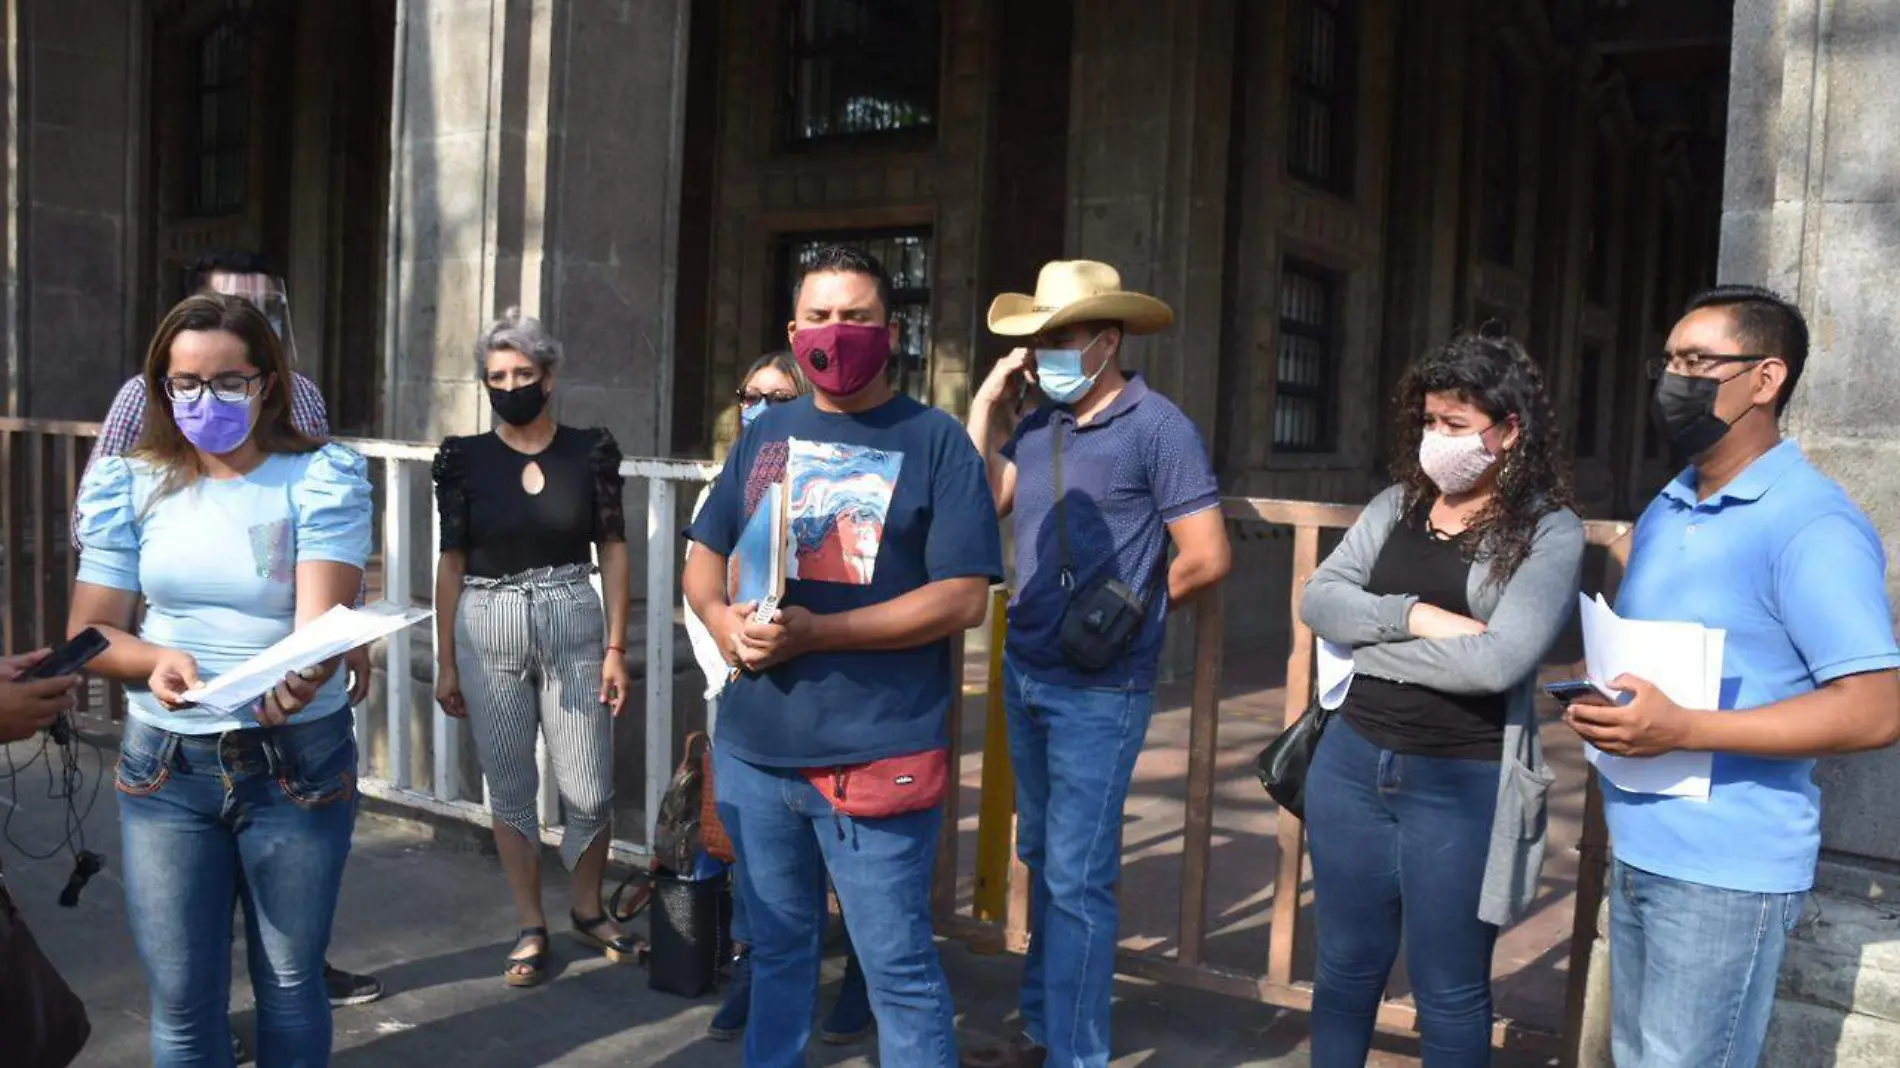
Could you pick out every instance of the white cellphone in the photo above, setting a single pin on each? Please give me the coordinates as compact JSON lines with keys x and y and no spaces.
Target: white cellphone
{"x":768,"y":607}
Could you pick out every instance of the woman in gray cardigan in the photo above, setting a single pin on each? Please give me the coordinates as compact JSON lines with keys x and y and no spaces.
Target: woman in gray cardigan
{"x":1425,"y":801}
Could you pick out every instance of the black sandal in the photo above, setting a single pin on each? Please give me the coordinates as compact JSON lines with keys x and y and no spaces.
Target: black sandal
{"x":624,"y":949}
{"x":535,"y":964}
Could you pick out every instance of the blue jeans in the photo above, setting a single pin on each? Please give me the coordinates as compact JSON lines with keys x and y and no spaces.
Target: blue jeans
{"x":1074,"y":751}
{"x":787,"y":836}
{"x":1399,"y":845}
{"x":1692,"y":970}
{"x":260,"y":818}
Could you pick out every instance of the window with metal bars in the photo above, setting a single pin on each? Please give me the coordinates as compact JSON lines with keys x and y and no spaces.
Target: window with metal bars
{"x":1320,"y":126}
{"x":1308,"y":359}
{"x":905,"y":254}
{"x":861,"y":69}
{"x":222,"y":94}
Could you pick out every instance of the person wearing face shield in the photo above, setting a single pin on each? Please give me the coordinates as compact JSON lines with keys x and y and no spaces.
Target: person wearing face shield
{"x":1425,"y":801}
{"x":1752,"y":540}
{"x":1103,"y":476}
{"x":832,"y":754}
{"x":247,"y":275}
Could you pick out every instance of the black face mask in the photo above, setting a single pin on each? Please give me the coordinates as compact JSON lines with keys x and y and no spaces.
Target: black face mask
{"x":519,"y":406}
{"x":1684,"y":410}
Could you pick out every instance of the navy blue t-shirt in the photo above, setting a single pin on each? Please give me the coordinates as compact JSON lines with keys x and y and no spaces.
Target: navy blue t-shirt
{"x":881,"y":503}
{"x":1136,"y":467}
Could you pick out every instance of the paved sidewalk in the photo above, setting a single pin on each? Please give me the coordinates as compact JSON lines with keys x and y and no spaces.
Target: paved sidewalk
{"x":428,"y":912}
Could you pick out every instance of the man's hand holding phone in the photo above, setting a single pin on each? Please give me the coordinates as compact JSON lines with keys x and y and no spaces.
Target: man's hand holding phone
{"x":1009,"y":381}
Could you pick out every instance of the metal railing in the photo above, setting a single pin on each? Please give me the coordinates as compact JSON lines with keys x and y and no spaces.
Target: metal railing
{"x":1274,"y":984}
{"x":41,"y":462}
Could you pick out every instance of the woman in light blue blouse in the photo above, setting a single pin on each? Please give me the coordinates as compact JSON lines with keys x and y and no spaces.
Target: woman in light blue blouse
{"x":234,"y":529}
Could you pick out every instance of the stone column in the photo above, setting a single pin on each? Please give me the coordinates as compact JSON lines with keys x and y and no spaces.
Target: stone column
{"x":536,"y":163}
{"x":1151,"y":104}
{"x":536,"y":146}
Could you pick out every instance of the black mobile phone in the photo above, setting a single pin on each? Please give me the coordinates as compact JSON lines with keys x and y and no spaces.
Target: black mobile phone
{"x":1574,"y":690}
{"x":67,"y":659}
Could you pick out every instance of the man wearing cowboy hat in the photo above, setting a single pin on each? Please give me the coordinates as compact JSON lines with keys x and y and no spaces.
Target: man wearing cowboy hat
{"x":1101,"y":475}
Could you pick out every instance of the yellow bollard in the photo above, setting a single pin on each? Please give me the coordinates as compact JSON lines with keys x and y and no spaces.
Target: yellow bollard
{"x":996,"y":812}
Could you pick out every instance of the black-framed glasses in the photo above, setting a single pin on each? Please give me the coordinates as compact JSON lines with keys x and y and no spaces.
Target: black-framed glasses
{"x":749,"y":397}
{"x":1695,"y":365}
{"x":230,"y":387}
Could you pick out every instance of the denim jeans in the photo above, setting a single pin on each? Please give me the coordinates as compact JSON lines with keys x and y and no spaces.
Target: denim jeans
{"x":787,"y":836}
{"x":1399,"y":845}
{"x":1692,"y":970}
{"x":258,"y":817}
{"x":1074,"y":752}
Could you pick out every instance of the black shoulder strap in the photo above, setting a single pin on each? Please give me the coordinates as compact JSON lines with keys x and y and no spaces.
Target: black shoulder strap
{"x":1062,"y":506}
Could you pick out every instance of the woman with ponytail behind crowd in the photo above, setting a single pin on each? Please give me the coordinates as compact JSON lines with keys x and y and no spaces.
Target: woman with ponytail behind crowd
{"x":234,"y":529}
{"x":1426,"y":799}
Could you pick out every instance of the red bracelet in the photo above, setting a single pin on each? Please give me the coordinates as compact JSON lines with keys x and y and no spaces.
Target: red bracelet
{"x":616,"y":648}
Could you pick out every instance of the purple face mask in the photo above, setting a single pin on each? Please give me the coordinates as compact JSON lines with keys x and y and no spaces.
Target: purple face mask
{"x":214,"y":426}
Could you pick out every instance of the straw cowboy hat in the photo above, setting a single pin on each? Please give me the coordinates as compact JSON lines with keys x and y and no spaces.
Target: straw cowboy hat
{"x":1077,"y":291}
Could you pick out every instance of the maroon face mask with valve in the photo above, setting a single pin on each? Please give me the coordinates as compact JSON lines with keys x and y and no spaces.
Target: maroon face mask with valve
{"x":842,"y":358}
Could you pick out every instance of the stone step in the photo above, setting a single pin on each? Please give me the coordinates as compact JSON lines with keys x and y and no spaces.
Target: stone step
{"x":1804,"y":1035}
{"x":1845,"y":955}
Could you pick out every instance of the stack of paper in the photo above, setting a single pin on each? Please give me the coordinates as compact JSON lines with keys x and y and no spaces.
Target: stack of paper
{"x":1684,"y":661}
{"x":329,"y":635}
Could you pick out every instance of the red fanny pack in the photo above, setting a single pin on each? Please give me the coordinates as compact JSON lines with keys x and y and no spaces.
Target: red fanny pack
{"x":893,"y":786}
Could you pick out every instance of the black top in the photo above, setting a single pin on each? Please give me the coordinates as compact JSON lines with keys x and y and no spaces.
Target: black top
{"x":503,"y":528}
{"x":1417,"y":720}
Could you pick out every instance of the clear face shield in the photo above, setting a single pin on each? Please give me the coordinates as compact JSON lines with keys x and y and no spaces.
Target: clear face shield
{"x":270,"y":295}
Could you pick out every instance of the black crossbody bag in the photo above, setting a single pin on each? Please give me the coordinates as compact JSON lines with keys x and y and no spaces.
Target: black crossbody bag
{"x":1103,"y":618}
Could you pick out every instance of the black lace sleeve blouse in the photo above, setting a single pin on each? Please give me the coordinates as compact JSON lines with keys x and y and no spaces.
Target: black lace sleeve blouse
{"x":488,"y":514}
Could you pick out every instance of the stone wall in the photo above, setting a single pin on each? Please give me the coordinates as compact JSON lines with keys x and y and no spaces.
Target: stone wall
{"x":70,"y":338}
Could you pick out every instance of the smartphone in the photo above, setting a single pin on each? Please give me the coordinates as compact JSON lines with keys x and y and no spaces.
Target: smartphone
{"x":1571,"y":691}
{"x":67,"y":659}
{"x":768,"y":607}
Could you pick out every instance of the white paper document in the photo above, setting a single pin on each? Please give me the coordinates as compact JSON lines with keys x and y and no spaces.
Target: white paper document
{"x":329,"y":635}
{"x":1335,"y":674}
{"x":1684,"y":661}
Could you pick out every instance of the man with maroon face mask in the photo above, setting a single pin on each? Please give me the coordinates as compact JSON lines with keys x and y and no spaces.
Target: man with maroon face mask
{"x":832,"y":748}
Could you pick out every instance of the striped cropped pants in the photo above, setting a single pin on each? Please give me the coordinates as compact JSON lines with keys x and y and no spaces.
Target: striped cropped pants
{"x":529,"y":650}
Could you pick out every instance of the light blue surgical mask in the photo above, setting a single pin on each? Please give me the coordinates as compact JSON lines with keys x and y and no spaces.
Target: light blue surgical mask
{"x":752,"y":411}
{"x":1059,"y":373}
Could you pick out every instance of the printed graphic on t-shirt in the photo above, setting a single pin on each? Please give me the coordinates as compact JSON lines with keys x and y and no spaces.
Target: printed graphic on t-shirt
{"x":840,"y":499}
{"x":273,"y":550}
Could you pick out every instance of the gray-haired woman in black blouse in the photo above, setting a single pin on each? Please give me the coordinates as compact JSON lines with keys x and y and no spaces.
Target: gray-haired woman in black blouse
{"x":524,"y":643}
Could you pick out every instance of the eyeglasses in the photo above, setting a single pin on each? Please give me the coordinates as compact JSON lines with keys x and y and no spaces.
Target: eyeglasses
{"x":231,"y":387}
{"x":749,"y":397}
{"x":1696,"y":365}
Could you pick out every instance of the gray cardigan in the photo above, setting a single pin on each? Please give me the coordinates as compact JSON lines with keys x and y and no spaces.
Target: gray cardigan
{"x":1523,"y":618}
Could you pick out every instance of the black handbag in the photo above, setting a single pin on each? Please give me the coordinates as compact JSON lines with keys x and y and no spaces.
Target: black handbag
{"x":1283,"y":764}
{"x":1104,"y":617}
{"x":687,"y":940}
{"x":43,"y":1021}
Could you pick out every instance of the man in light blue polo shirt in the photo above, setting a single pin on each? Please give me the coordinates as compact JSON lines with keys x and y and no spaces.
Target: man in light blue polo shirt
{"x":1753,"y":540}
